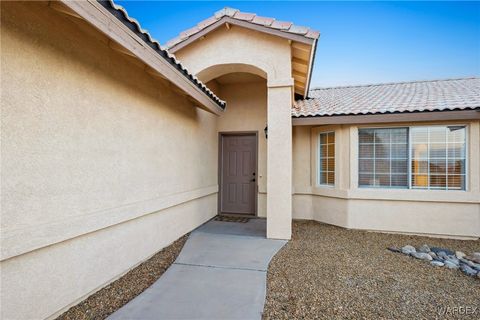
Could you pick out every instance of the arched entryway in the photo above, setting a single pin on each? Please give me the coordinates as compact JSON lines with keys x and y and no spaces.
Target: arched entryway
{"x":242,"y":144}
{"x":254,"y":77}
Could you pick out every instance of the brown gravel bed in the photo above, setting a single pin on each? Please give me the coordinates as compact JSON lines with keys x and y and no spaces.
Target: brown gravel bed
{"x":111,"y":298}
{"x":327,"y":272}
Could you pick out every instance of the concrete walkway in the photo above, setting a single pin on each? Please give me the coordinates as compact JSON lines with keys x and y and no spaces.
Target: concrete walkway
{"x":219,"y":274}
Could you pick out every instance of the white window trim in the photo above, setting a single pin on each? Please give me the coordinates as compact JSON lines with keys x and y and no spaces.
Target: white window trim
{"x":409,"y":167}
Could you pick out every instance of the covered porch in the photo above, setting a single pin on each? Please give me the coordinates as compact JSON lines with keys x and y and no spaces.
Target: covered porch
{"x":258,"y":71}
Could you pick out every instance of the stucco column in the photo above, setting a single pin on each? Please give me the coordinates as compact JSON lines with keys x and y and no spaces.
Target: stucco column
{"x":279,"y":159}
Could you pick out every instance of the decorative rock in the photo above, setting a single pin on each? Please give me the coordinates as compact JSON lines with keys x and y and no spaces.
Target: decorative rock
{"x":453,"y":259}
{"x":471,"y":264}
{"x":442,"y":254}
{"x":437,"y":263}
{"x":408,"y":249}
{"x":424,"y":249}
{"x":437,"y":250}
{"x":470,"y":258}
{"x":433,"y":255}
{"x":467,"y":270}
{"x":421,"y":256}
{"x":439,"y":257}
{"x":450,"y":265}
{"x":393,"y":249}
{"x":475,"y":257}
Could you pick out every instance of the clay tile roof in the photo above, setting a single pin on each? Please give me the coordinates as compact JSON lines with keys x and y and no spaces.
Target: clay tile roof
{"x":281,"y":25}
{"x":435,"y":95}
{"x":121,"y":14}
{"x":243,"y":16}
{"x":264,"y":21}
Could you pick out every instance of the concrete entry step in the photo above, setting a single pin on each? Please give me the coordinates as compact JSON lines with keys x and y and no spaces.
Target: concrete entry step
{"x":255,"y":227}
{"x":220,"y":274}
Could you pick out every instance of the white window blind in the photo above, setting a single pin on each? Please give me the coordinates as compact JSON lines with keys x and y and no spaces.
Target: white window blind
{"x":383,"y":157}
{"x":438,"y":157}
{"x":327,"y":159}
{"x":419,"y":157}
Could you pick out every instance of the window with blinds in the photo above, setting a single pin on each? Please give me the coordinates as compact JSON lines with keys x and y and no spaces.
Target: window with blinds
{"x":438,"y":157}
{"x":420,"y":157}
{"x":383,"y":157}
{"x":326,"y":174}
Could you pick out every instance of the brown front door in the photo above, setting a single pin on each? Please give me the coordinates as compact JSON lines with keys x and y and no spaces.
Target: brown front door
{"x":238,"y":162}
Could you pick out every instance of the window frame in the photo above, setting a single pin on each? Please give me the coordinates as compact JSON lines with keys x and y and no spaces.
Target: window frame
{"x":409,"y":158}
{"x":407,"y":187}
{"x":319,"y":165}
{"x":466,"y":174}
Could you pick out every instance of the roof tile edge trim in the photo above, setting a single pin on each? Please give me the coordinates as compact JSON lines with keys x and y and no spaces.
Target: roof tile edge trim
{"x":121,"y":14}
{"x":389,"y":83}
{"x":380,"y":113}
{"x":267,"y":22}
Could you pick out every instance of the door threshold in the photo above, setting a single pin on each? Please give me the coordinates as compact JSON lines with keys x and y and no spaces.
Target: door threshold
{"x":237,"y":215}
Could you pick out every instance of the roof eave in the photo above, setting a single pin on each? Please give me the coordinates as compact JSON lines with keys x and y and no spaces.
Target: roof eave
{"x":98,"y":16}
{"x":310,"y":68}
{"x":395,"y":117}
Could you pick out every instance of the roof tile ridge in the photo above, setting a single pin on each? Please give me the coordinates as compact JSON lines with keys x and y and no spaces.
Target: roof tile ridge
{"x":393,"y":83}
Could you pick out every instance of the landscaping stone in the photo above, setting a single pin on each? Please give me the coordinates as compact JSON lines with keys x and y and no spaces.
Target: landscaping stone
{"x":424,"y":248}
{"x":408,"y":249}
{"x":421,"y":256}
{"x":475,"y":257}
{"x":437,"y":250}
{"x":471,"y":264}
{"x":442,"y":254}
{"x":453,"y":260}
{"x":450,"y":265}
{"x":440,"y":257}
{"x":393,"y":249}
{"x":433,"y":255}
{"x":468,"y":270}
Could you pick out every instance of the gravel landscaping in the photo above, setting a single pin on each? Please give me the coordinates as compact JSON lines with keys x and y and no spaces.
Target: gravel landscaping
{"x":111,"y":298}
{"x":327,"y":272}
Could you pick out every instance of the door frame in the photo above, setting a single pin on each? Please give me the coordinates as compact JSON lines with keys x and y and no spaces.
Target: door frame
{"x":222,"y":134}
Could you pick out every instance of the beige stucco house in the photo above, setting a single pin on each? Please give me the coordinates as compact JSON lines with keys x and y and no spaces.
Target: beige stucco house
{"x":111,"y":149}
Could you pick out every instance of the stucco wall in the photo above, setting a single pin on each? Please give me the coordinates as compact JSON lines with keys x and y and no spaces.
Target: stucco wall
{"x":238,"y":46}
{"x":102,"y":165}
{"x":431,"y":212}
